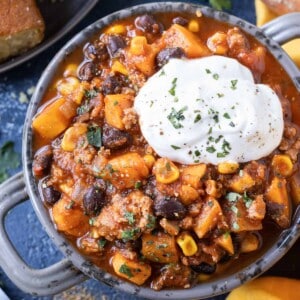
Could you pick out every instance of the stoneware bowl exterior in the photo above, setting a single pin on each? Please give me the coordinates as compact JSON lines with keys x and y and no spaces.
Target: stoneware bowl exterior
{"x":71,"y":270}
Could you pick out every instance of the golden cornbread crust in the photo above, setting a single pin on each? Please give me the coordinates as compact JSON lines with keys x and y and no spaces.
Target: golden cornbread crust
{"x":21,"y":27}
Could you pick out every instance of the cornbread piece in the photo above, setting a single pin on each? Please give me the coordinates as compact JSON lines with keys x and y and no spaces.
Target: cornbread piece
{"x":21,"y":27}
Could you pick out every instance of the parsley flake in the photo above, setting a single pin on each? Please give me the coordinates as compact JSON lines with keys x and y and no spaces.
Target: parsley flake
{"x":94,"y":136}
{"x":233,"y":84}
{"x":226,"y":116}
{"x":176,"y":116}
{"x":175,"y":147}
{"x":197,"y":118}
{"x":124,"y":269}
{"x":130,"y":217}
{"x":211,"y":149}
{"x":172,"y":90}
{"x":216,"y":76}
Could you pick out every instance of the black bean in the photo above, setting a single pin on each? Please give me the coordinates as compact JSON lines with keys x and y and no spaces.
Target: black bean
{"x":164,"y":55}
{"x":180,"y":20}
{"x":148,"y":24}
{"x":114,"y":44}
{"x":86,"y":71}
{"x":113,"y":138}
{"x":112,"y":85}
{"x":204,"y":268}
{"x":50,"y":194}
{"x":101,"y":51}
{"x":170,"y":208}
{"x":42,"y":161}
{"x":94,"y":200}
{"x":89,"y":51}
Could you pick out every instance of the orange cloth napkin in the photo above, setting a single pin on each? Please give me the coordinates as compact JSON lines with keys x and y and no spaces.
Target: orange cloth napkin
{"x":264,"y":15}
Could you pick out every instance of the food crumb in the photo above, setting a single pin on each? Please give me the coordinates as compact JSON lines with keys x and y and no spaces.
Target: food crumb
{"x":75,"y":293}
{"x":23,"y":98}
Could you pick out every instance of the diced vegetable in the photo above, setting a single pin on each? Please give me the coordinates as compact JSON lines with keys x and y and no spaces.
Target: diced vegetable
{"x":225,"y":241}
{"x":240,"y":183}
{"x":119,"y":67}
{"x":68,"y":217}
{"x":188,"y":194}
{"x":295,"y":188}
{"x":249,"y":243}
{"x":165,"y":171}
{"x":160,"y":248}
{"x":133,"y":270}
{"x":194,"y":26}
{"x":114,"y":109}
{"x":51,"y":121}
{"x":71,"y":89}
{"x":170,"y":227}
{"x":278,"y":204}
{"x":72,"y":135}
{"x":179,"y":36}
{"x":187,"y":244}
{"x":116,"y":29}
{"x":125,"y":170}
{"x":149,"y":161}
{"x":192,"y":175}
{"x":227,"y":167}
{"x":208,"y":218}
{"x":282,"y":165}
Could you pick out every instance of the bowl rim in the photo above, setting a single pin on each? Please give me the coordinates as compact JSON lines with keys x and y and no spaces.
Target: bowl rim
{"x":212,"y":288}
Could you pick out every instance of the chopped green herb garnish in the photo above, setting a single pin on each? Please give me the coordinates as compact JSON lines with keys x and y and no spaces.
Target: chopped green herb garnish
{"x":197,"y":118}
{"x":176,"y":116}
{"x":9,"y":159}
{"x":218,"y":138}
{"x":90,"y":94}
{"x":162,"y":73}
{"x":92,"y":221}
{"x":208,"y":71}
{"x":220,"y":4}
{"x":172,"y":90}
{"x":94,"y":136}
{"x":151,"y":103}
{"x":124,"y":269}
{"x":70,"y":205}
{"x":138,"y":185}
{"x":247,"y":200}
{"x":175,"y":147}
{"x":130,"y":234}
{"x":216,"y":76}
{"x":235,"y":226}
{"x":220,"y":95}
{"x":231,"y":124}
{"x":197,"y":153}
{"x":84,"y":108}
{"x":151,"y":221}
{"x":226,"y":116}
{"x":210,"y":130}
{"x":116,"y":102}
{"x":162,"y":246}
{"x":216,"y":118}
{"x":233,"y":84}
{"x":211,"y":149}
{"x":101,"y":243}
{"x":234,"y":209}
{"x":233,"y":197}
{"x":130,"y":217}
{"x":221,"y":154}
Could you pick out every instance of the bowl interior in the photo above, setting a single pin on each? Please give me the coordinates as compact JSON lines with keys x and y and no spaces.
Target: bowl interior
{"x":273,"y":248}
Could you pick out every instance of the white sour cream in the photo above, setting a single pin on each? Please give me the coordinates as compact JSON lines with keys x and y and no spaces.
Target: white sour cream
{"x":209,"y":110}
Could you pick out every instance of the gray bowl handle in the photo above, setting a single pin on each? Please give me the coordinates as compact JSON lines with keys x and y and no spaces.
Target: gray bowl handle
{"x":47,"y":281}
{"x":284,"y":28}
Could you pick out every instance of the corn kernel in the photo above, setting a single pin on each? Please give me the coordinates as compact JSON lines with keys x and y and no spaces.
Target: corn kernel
{"x":249,"y":243}
{"x":119,"y":67}
{"x":194,"y":26}
{"x":165,"y":171}
{"x":72,"y":135}
{"x":71,"y":70}
{"x":282,"y":165}
{"x":149,"y":160}
{"x":225,"y":241}
{"x":116,"y":29}
{"x":203,"y":277}
{"x":227,"y":167}
{"x":187,"y":244}
{"x":71,"y":88}
{"x":188,"y":194}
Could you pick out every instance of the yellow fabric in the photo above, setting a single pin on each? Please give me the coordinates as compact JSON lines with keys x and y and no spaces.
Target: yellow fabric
{"x":267,"y":288}
{"x":264,"y":15}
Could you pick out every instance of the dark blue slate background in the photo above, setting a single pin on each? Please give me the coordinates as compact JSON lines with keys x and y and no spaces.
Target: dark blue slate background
{"x":22,"y":224}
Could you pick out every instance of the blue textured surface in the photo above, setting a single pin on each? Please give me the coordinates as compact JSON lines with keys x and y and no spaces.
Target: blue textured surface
{"x":22,"y":224}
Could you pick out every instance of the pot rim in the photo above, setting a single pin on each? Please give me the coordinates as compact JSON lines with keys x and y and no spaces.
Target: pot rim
{"x":211,"y":288}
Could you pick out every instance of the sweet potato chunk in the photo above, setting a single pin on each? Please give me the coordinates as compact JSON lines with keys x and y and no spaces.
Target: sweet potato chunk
{"x":278,"y":203}
{"x":68,"y":217}
{"x":52,"y":121}
{"x":114,"y":109}
{"x":192,"y":175}
{"x":208,"y":218}
{"x":179,"y":36}
{"x":160,"y":248}
{"x":240,"y":184}
{"x":225,"y":241}
{"x":125,"y":170}
{"x":133,"y":270}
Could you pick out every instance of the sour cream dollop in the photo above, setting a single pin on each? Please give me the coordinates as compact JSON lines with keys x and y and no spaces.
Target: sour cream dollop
{"x":209,"y":110}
